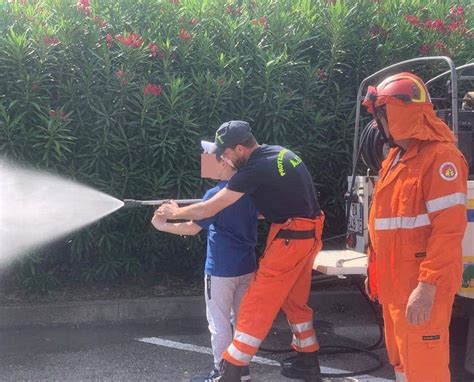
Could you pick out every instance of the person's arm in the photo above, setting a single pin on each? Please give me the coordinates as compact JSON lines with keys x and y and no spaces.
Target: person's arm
{"x":202,"y":210}
{"x":185,"y":229}
{"x":445,"y":190}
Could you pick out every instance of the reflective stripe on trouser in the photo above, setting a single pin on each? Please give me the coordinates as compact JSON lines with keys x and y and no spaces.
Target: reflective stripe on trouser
{"x":419,"y":353}
{"x":282,"y":281}
{"x":304,"y":336}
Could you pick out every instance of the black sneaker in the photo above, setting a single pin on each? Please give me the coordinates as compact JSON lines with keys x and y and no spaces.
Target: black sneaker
{"x":211,"y":377}
{"x":303,"y":366}
{"x":245,"y":376}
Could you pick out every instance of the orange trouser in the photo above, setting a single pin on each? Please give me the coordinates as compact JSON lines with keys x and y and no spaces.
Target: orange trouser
{"x":283,"y":280}
{"x":419,"y":353}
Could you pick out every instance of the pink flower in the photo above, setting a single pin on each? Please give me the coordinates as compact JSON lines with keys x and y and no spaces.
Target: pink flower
{"x":83,"y":6}
{"x":55,"y":114}
{"x":425,"y":49}
{"x":194,"y":21}
{"x":456,"y":11}
{"x":153,"y":49}
{"x":221,"y":81}
{"x":152,"y":89}
{"x":321,"y":75}
{"x":437,"y":24}
{"x":50,"y":40}
{"x":133,"y":39}
{"x":230,"y":9}
{"x":184,"y":34}
{"x":109,"y":39}
{"x":161,"y":55}
{"x":121,"y":76}
{"x":456,"y":25}
{"x":260,"y":21}
{"x":412,"y":19}
{"x":441,"y":47}
{"x":174,"y":2}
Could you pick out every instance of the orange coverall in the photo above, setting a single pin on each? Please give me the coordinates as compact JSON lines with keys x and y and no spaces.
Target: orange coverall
{"x":285,"y":273}
{"x":417,"y":223}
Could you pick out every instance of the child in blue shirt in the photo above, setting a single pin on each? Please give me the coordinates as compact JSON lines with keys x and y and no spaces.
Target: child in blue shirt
{"x":230,"y":260}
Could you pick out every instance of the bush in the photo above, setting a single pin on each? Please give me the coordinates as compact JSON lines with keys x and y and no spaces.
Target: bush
{"x":117,"y":95}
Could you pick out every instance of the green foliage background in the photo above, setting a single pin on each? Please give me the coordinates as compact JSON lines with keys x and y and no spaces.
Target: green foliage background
{"x":74,"y":104}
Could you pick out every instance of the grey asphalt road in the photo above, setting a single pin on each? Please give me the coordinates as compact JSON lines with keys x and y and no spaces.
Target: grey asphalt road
{"x":115,"y":353}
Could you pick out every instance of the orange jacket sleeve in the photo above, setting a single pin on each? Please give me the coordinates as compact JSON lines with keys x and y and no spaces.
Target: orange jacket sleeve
{"x":444,"y":183}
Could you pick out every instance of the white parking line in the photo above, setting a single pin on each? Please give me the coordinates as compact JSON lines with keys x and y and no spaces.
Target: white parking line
{"x":198,"y":349}
{"x":260,"y":360}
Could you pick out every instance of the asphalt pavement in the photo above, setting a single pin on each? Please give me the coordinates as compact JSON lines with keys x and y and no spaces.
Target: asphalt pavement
{"x":178,"y":349}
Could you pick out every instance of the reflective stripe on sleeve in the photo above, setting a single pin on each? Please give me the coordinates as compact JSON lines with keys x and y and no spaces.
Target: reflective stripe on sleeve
{"x":446,"y":202}
{"x":302,"y":327}
{"x":405,"y":222}
{"x":247,"y":339}
{"x":302,"y":343}
{"x":239,"y":355}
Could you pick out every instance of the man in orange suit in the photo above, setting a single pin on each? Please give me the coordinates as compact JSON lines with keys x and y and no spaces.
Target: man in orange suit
{"x":281,"y":187}
{"x":416,"y":225}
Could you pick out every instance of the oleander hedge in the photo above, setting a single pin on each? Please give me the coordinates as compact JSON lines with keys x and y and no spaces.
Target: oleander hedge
{"x":117,"y":94}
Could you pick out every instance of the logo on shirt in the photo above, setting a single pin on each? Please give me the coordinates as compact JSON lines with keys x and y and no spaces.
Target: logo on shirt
{"x":295,"y":161}
{"x":448,"y":171}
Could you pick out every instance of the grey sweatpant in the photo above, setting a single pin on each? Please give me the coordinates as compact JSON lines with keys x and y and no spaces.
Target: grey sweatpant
{"x":223,"y":296}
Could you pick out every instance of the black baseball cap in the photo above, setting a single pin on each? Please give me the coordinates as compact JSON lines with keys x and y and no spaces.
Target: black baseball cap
{"x":229,"y":134}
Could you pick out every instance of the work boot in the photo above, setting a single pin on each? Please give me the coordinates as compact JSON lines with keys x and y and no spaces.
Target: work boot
{"x":245,"y":377}
{"x":230,"y":372}
{"x":303,"y":366}
{"x":213,"y":376}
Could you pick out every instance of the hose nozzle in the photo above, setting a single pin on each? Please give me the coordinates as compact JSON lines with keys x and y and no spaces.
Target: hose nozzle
{"x":131,"y":203}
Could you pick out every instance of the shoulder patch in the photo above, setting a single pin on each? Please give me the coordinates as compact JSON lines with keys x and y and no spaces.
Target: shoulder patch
{"x":448,"y":171}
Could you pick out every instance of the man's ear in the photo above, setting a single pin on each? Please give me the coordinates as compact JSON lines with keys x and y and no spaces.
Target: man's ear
{"x":240,"y":149}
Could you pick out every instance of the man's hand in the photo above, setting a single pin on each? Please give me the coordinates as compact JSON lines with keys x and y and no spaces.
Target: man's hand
{"x":420,"y":304}
{"x":167,"y":210}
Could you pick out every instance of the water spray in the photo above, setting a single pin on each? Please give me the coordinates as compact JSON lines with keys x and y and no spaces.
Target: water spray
{"x":132,"y":203}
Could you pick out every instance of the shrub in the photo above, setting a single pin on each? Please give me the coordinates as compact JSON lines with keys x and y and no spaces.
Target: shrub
{"x":117,"y":95}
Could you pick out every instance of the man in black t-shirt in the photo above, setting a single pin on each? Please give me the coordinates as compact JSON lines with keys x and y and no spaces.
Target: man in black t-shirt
{"x":281,"y":187}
